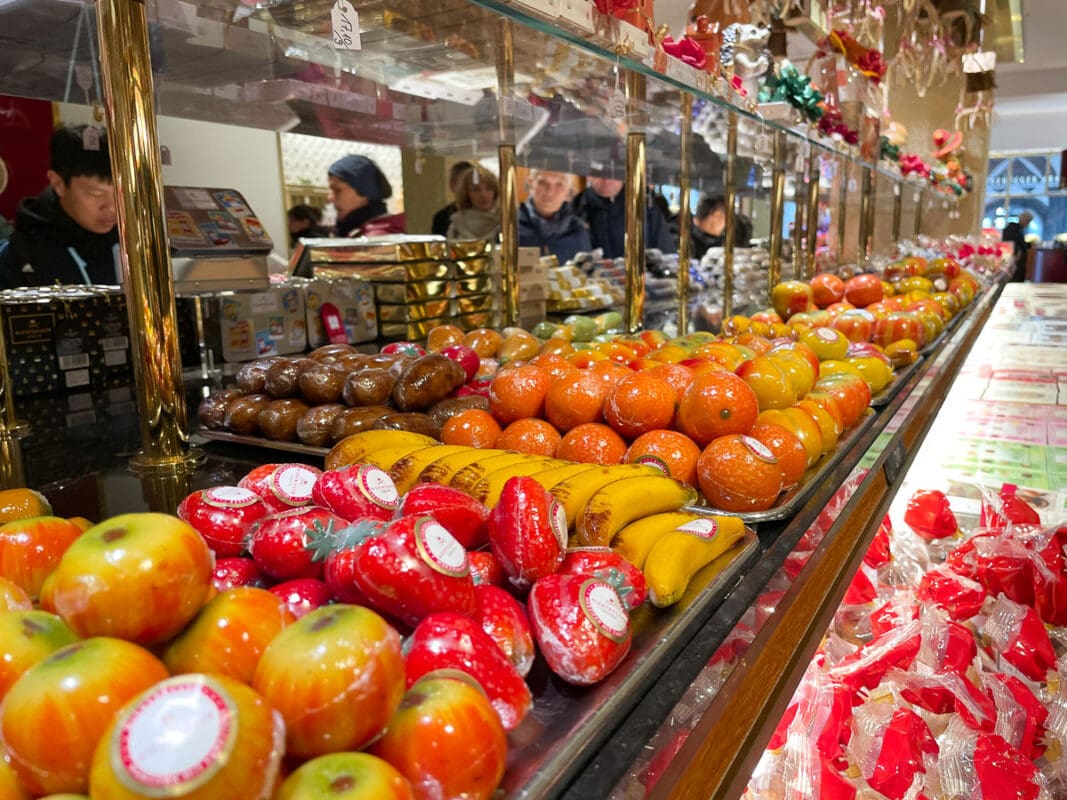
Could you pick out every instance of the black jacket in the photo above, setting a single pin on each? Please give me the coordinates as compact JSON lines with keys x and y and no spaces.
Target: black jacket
{"x":441,"y":219}
{"x":1014,"y":233}
{"x":46,"y":245}
{"x":562,"y":236}
{"x":606,"y":218}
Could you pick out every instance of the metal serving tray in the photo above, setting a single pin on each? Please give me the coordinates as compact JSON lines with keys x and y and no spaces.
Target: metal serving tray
{"x":900,"y":377}
{"x":259,"y":441}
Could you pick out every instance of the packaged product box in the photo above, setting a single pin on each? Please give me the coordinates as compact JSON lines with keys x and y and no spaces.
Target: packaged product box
{"x":267,"y":323}
{"x":354,"y":300}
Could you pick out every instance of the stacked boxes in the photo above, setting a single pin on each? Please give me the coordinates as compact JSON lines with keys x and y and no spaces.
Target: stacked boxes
{"x":257,"y":324}
{"x":533,"y":284}
{"x":570,"y":290}
{"x":354,"y":300}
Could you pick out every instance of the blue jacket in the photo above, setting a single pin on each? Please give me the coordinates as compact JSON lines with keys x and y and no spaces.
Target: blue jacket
{"x":562,"y":236}
{"x":606,"y":218}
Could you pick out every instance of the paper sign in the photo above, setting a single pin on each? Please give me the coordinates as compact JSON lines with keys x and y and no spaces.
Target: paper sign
{"x":345,"y":27}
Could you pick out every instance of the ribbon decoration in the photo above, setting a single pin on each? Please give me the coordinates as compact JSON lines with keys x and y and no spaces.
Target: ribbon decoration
{"x":785,"y":84}
{"x":913,"y":164}
{"x":866,"y":60}
{"x":888,"y":150}
{"x":686,"y":50}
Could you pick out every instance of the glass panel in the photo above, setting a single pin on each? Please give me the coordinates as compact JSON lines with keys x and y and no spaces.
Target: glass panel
{"x":997,"y":180}
{"x":883,"y":216}
{"x":1028,"y":174}
{"x":1054,"y":173}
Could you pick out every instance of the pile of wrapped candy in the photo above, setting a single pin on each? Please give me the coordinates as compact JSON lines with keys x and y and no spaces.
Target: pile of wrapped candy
{"x":944,"y":673}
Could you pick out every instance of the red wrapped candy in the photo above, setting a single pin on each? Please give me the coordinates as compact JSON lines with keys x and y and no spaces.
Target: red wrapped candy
{"x":929,"y":515}
{"x":890,"y":746}
{"x":1018,"y":637}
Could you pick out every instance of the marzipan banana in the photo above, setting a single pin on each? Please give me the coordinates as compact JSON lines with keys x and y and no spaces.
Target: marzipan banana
{"x":555,"y":475}
{"x":405,"y":472}
{"x":636,"y":540}
{"x":466,"y":478}
{"x":681,"y":553}
{"x":354,"y":449}
{"x":488,"y":489}
{"x":385,"y":457}
{"x":573,"y":493}
{"x":623,"y":501}
{"x":442,"y":470}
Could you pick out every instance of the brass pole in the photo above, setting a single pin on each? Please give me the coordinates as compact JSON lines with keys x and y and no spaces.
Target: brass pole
{"x":138,"y":174}
{"x":842,"y":207}
{"x":509,"y":196}
{"x":866,"y":215}
{"x":800,"y":218}
{"x":12,"y":472}
{"x":684,"y":222}
{"x":636,"y":177}
{"x":811,"y":229}
{"x":509,"y":233}
{"x":9,"y":423}
{"x":730,"y":200}
{"x":898,"y":207}
{"x":918,"y":212}
{"x":774,"y":268}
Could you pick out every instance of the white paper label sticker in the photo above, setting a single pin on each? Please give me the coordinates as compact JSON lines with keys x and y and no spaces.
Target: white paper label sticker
{"x":649,"y":460}
{"x":759,"y":449}
{"x":345,"y":26}
{"x":176,"y":738}
{"x":557,"y":520}
{"x":230,"y":497}
{"x":293,"y":484}
{"x":829,"y":335}
{"x":701,"y":528}
{"x":378,"y":486}
{"x":602,"y":605}
{"x":440,"y":549}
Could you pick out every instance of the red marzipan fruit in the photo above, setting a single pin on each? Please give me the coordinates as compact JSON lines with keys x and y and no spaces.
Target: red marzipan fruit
{"x":486,"y":569}
{"x":303,"y":595}
{"x":580,"y":625}
{"x":454,"y":641}
{"x":237,"y":571}
{"x":358,"y":491}
{"x":459,"y":513}
{"x":413,"y":567}
{"x":281,"y":544}
{"x":282,"y":486}
{"x":607,"y":565}
{"x":527,"y":532}
{"x":223,"y":516}
{"x":340,"y":557}
{"x":504,"y":619}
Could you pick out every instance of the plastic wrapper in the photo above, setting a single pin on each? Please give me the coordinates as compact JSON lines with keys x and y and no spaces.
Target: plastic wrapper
{"x":929,"y":515}
{"x":1050,"y":580}
{"x":983,"y":766}
{"x":867,"y":666}
{"x":947,"y":646}
{"x":878,"y":554}
{"x":890,"y":747}
{"x":1007,"y":509}
{"x":863,"y":588}
{"x":897,"y":610}
{"x":1019,"y":639}
{"x":961,"y":597}
{"x":1021,"y":716}
{"x":821,"y":711}
{"x":1005,"y":566}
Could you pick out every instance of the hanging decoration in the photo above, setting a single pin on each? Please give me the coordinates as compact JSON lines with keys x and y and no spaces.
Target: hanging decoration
{"x":948,"y":173}
{"x":975,"y":107}
{"x":785,"y":83}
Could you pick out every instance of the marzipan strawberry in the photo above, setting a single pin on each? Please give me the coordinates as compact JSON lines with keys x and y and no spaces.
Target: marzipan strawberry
{"x":504,"y":619}
{"x":527,"y":532}
{"x":360,"y":491}
{"x":279,"y":544}
{"x":459,"y":513}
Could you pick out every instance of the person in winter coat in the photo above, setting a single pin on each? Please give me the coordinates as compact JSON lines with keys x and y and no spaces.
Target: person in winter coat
{"x":68,"y":233}
{"x":477,"y":213}
{"x":709,"y":226}
{"x":358,"y":190}
{"x":547,"y":221}
{"x":603,"y":207}
{"x":1015,"y":232}
{"x":443,"y":217}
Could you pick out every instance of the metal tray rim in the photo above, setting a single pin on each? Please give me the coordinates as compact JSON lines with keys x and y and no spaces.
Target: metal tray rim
{"x":258,"y":441}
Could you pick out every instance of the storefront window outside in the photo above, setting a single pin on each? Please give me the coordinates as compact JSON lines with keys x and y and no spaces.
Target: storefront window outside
{"x":1019,"y":182}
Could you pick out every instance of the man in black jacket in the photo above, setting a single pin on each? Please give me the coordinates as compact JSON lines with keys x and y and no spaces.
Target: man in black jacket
{"x":603,"y":207}
{"x":67,"y":234}
{"x":1015,"y":232}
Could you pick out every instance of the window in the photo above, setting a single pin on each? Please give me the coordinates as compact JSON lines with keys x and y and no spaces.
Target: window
{"x":1019,"y":182}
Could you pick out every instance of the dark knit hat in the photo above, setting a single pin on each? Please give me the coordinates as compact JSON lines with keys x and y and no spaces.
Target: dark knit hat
{"x":363,"y":175}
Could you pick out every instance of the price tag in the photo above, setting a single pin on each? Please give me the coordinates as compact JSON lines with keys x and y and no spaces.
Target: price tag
{"x":83,"y":76}
{"x":91,"y":138}
{"x":345,"y":27}
{"x":617,"y":105}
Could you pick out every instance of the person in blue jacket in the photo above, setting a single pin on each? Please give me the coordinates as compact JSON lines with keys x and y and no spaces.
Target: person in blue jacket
{"x":547,"y":221}
{"x":603,"y":206}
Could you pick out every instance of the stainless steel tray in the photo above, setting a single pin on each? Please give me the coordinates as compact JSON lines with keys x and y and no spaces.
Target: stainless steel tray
{"x":259,"y":441}
{"x":925,"y":351}
{"x":900,"y":377}
{"x":568,"y":723}
{"x":789,"y":502}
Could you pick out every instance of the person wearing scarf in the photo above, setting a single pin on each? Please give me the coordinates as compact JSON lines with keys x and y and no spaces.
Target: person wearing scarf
{"x":546,"y":220}
{"x":477,"y":201}
{"x":358,"y":190}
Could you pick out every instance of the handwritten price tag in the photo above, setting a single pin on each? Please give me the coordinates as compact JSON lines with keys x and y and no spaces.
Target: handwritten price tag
{"x":345,"y":27}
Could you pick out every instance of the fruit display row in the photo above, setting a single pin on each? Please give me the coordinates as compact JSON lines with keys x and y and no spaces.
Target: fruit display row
{"x":250,"y":647}
{"x":943,"y":672}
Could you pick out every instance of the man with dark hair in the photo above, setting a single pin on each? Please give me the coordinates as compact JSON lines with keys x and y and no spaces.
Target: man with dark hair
{"x":709,"y":226}
{"x":1015,"y":232}
{"x":67,"y":234}
{"x":441,"y":220}
{"x":305,"y":222}
{"x":603,"y":207}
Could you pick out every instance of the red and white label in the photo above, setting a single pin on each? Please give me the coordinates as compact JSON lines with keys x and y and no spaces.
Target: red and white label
{"x":701,"y":528}
{"x":649,"y":460}
{"x":292,"y":484}
{"x":828,"y":335}
{"x":230,"y":497}
{"x":557,"y":520}
{"x":440,"y":549}
{"x":759,"y":449}
{"x":602,"y":605}
{"x":378,"y":486}
{"x":176,"y":738}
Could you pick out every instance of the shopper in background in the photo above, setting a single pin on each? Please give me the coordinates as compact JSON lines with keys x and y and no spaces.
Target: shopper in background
{"x":709,"y":226}
{"x":603,"y":207}
{"x":547,"y":221}
{"x":478,"y":206}
{"x":1015,"y":232}
{"x":358,"y":190}
{"x":305,"y":222}
{"x":441,"y":220}
{"x":68,"y":233}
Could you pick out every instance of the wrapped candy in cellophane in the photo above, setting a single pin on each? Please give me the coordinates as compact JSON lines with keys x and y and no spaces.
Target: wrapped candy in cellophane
{"x":944,"y":674}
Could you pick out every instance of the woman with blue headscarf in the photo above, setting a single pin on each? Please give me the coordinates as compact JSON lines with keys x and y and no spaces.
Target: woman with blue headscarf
{"x":358,"y":190}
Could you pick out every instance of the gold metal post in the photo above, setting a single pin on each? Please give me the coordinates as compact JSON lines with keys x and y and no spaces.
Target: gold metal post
{"x":138,"y":174}
{"x":842,"y":206}
{"x":898,"y":207}
{"x":811,"y":228}
{"x":774,"y":268}
{"x":918,"y":212}
{"x":730,"y":199}
{"x":9,"y":423}
{"x":866,"y":215}
{"x":12,"y":473}
{"x":509,"y":233}
{"x":636,"y":178}
{"x":684,"y":222}
{"x":800,"y":218}
{"x":509,"y":195}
